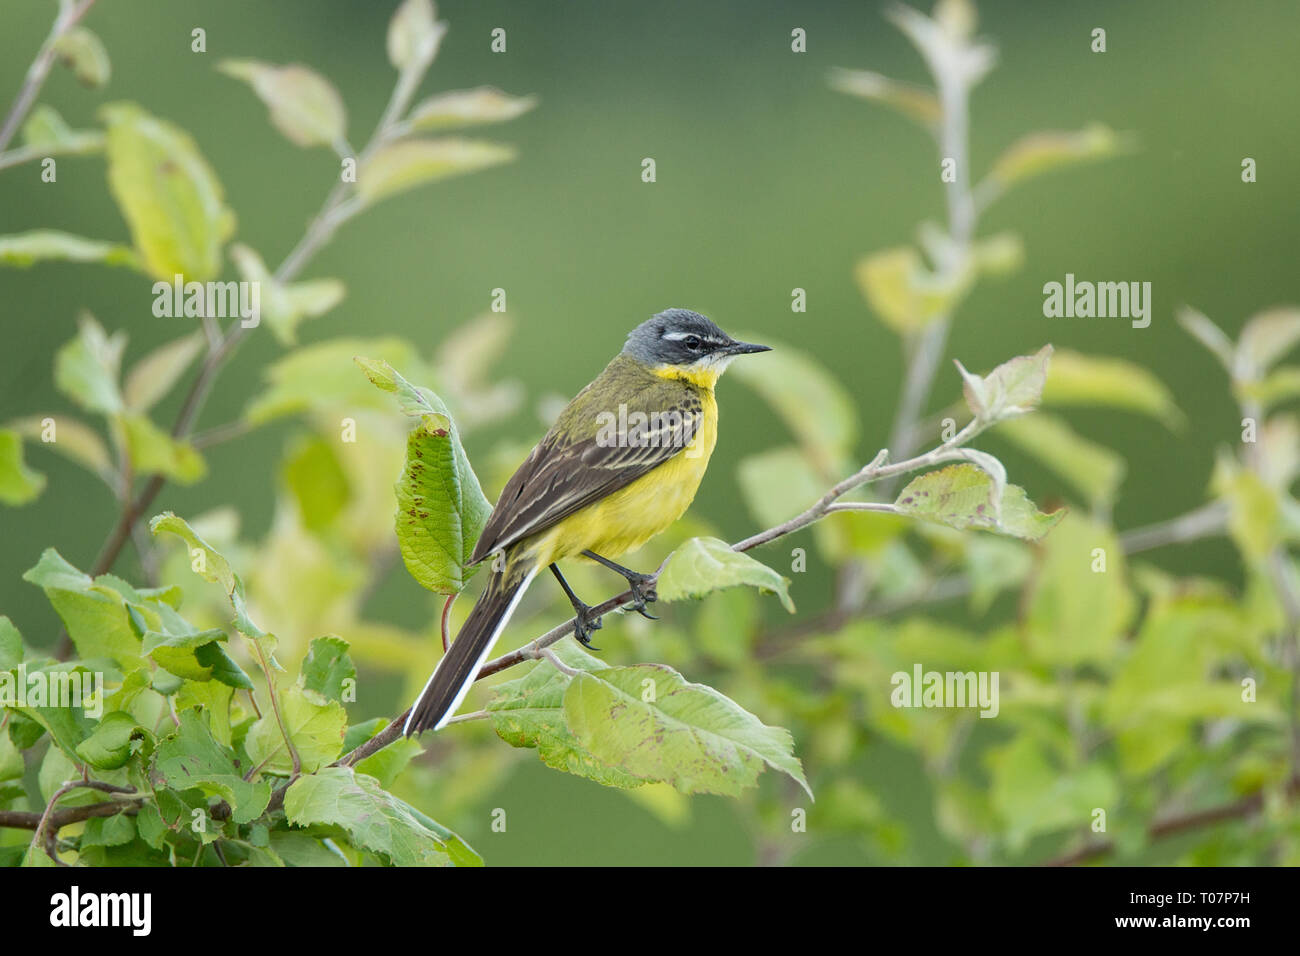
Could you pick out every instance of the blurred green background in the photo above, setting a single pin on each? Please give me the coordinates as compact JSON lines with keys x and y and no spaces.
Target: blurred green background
{"x":767,"y":180}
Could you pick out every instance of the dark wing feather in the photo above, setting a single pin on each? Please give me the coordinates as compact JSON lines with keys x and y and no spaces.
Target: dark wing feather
{"x":564,"y":474}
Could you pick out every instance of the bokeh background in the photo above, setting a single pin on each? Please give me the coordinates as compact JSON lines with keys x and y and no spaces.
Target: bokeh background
{"x":767,"y":180}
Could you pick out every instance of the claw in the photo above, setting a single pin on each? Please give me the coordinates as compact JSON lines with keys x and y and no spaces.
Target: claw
{"x":584,"y":625}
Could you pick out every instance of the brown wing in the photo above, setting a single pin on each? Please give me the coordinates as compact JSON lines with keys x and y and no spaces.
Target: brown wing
{"x":580,"y":462}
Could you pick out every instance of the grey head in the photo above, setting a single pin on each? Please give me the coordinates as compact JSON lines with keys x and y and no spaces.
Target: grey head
{"x":684,"y":338}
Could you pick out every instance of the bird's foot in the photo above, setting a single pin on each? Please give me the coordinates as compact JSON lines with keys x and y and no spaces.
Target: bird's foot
{"x":643,"y":591}
{"x":586,"y":621}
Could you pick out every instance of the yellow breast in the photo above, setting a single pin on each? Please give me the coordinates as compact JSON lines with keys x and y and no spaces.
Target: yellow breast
{"x":633,"y":515}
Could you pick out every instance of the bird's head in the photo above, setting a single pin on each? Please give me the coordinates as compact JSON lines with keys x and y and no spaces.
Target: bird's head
{"x":679,"y":343}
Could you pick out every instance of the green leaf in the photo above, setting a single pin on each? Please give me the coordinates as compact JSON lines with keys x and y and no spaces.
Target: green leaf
{"x":316,"y":730}
{"x":1254,"y":517}
{"x":815,"y":407}
{"x":914,"y":102}
{"x":301,"y":849}
{"x":174,"y":645}
{"x":702,"y":565}
{"x":109,"y":747}
{"x":905,"y":293}
{"x":87,"y":368}
{"x":1280,"y":385}
{"x":1079,"y":604}
{"x":212,"y":566}
{"x":12,"y":766}
{"x":11,"y":645}
{"x":154,"y":451}
{"x":92,"y":611}
{"x":1094,"y":470}
{"x":168,"y":193}
{"x":154,"y":375}
{"x":1038,"y":153}
{"x":191,"y":757}
{"x":58,"y":698}
{"x":324,"y":375}
{"x":304,"y":106}
{"x":82,"y":52}
{"x":45,"y":245}
{"x":441,"y":509}
{"x":69,"y":437}
{"x":649,"y":721}
{"x":961,"y":496}
{"x":1013,"y":388}
{"x":374,"y":819}
{"x":1172,"y":676}
{"x":414,"y":34}
{"x":18,"y":483}
{"x":387,"y":764}
{"x":327,"y":669}
{"x":316,"y":479}
{"x":1032,"y":796}
{"x":1077,"y":379}
{"x":408,"y":163}
{"x":529,"y":712}
{"x":116,"y":830}
{"x":468,"y":108}
{"x":214,"y":658}
{"x":46,"y":130}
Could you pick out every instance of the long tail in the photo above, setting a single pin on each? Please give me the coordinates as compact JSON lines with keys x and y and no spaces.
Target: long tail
{"x":459,"y":667}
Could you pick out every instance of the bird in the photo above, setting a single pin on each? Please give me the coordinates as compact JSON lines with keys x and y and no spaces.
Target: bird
{"x":621,"y":464}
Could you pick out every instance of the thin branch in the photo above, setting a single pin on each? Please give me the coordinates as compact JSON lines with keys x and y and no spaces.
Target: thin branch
{"x":68,"y":18}
{"x":44,"y":836}
{"x":1208,"y":520}
{"x":1175,"y":825}
{"x":29,"y":819}
{"x":875,"y":471}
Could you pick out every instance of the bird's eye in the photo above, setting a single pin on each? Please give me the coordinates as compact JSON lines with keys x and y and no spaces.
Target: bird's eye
{"x":692,"y":342}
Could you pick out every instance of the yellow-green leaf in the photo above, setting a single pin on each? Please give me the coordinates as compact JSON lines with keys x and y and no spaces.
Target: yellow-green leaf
{"x":83,"y":52}
{"x":915,"y":102}
{"x":1077,"y":379}
{"x":414,"y":35}
{"x":304,"y":105}
{"x":46,"y":245}
{"x":168,"y":193}
{"x":412,"y":162}
{"x":154,"y":375}
{"x":474,"y":107}
{"x":904,"y":293}
{"x":1041,"y":152}
{"x":18,"y":483}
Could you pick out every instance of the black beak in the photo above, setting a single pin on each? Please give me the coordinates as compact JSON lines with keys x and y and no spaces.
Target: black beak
{"x":746,"y":348}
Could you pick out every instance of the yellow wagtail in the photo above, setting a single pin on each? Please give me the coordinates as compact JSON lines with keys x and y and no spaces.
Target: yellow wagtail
{"x":621,"y":463}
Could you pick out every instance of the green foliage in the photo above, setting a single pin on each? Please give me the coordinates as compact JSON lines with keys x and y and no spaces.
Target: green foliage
{"x":441,"y":509}
{"x":224,"y":719}
{"x":702,"y":565}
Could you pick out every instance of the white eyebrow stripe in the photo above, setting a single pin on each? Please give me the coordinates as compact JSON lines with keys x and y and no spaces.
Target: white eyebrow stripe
{"x":678,"y":336}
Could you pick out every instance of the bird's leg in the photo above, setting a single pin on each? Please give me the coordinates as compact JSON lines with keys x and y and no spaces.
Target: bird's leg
{"x":641,"y":585}
{"x":586,"y":621}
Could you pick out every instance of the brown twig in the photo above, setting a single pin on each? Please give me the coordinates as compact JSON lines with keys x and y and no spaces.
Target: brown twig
{"x":1175,"y":825}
